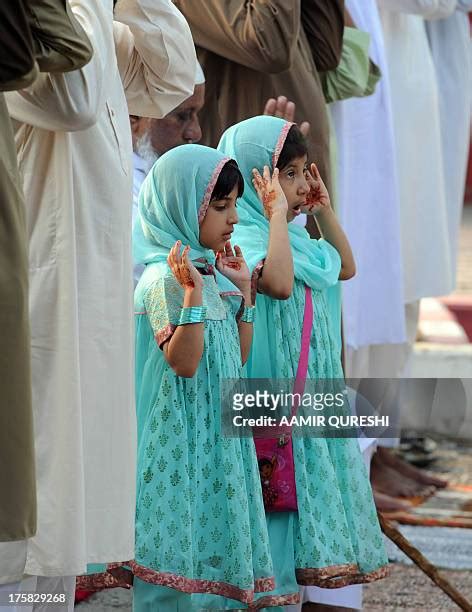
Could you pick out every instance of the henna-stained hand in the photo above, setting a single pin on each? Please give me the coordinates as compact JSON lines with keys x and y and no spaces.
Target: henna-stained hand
{"x":269,"y":191}
{"x":232,"y":265}
{"x":317,"y":199}
{"x":182,"y":267}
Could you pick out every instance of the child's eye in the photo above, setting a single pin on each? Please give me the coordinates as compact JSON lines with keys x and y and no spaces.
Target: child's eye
{"x":291,"y":174}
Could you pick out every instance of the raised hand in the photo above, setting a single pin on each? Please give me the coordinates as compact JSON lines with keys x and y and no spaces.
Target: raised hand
{"x":285,"y":109}
{"x":232,"y":265}
{"x":317,"y":199}
{"x":270,"y":192}
{"x":183,"y":269}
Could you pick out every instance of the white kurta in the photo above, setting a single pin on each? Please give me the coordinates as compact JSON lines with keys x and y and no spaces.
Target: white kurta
{"x":368,"y":198}
{"x":451,"y":47}
{"x":140,"y":170}
{"x":74,"y":149}
{"x":415,"y":104}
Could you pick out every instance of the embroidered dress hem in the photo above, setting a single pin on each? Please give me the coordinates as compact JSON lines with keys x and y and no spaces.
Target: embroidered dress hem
{"x":274,"y":601}
{"x":118,"y":577}
{"x":338,"y":576}
{"x":200,"y":585}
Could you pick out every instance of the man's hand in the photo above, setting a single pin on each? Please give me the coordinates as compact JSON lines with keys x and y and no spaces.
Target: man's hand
{"x":285,"y":109}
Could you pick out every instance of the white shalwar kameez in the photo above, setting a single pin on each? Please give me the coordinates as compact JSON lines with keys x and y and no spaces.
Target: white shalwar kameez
{"x":368,"y":201}
{"x":415,"y":104}
{"x":74,"y":149}
{"x":451,"y":47}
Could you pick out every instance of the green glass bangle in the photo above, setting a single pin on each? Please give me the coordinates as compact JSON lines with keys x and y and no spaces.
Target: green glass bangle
{"x":249,"y":314}
{"x":192,"y":314}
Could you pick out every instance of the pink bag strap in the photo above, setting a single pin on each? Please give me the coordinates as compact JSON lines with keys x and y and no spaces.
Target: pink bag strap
{"x":302,"y":369}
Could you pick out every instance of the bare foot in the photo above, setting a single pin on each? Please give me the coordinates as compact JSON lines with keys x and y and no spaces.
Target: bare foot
{"x":385,"y":503}
{"x":386,"y":456}
{"x":385,"y":479}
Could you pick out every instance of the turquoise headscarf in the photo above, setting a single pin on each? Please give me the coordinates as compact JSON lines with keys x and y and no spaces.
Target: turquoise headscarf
{"x":173,"y":201}
{"x":255,"y":143}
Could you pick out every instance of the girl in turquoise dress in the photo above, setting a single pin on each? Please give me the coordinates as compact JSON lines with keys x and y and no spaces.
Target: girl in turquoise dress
{"x":334,"y":538}
{"x":201,"y":533}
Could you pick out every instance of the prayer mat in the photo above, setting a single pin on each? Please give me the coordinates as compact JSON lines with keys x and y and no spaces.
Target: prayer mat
{"x":450,"y":507}
{"x":447,"y":547}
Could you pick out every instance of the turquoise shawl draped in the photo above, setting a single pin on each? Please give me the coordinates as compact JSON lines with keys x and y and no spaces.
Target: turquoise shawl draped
{"x":254,"y":143}
{"x":173,"y":201}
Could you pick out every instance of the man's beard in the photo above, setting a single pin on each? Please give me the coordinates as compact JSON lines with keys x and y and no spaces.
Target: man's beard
{"x":143,"y":147}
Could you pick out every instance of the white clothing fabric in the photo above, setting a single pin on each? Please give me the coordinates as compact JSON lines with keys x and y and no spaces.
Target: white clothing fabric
{"x":74,"y":150}
{"x":415,"y":104}
{"x":140,"y":171}
{"x":387,"y":361}
{"x":300,"y":220}
{"x":12,"y":561}
{"x":428,"y":9}
{"x":451,"y":47}
{"x":199,"y":75}
{"x":368,"y":201}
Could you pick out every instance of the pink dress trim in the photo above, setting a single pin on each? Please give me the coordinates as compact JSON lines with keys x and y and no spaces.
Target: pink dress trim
{"x":209,"y":190}
{"x":338,"y":576}
{"x":165,"y":333}
{"x":111,"y":579}
{"x":280,"y":143}
{"x":333,"y":577}
{"x":269,"y":601}
{"x":231,"y":293}
{"x":194,"y":585}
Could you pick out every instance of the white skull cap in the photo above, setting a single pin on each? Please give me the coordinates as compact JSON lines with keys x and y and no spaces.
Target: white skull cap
{"x":199,"y":76}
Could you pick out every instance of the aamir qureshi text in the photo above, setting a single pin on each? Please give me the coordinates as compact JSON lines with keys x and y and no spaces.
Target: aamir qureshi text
{"x":313,"y":420}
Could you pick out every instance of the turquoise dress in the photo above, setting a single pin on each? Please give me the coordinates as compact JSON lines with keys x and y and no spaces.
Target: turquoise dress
{"x":201,"y":534}
{"x":334,"y":539}
{"x":199,"y":514}
{"x":335,"y":535}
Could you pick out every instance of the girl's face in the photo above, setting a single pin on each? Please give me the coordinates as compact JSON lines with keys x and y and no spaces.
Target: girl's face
{"x":218,"y":224}
{"x":294,"y":185}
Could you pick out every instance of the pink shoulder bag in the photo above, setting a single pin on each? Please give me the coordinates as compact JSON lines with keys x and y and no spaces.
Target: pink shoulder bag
{"x":275,"y":452}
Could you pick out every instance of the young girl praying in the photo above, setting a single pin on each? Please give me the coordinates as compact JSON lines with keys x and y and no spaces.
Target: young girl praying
{"x":201,"y":534}
{"x":333,"y":538}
